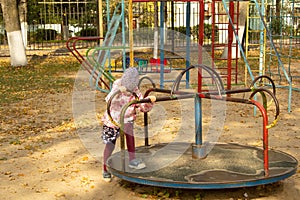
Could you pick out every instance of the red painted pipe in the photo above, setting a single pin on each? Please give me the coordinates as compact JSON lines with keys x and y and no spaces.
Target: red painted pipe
{"x":265,"y":136}
{"x":200,"y":42}
{"x":87,"y":66}
{"x":229,"y":45}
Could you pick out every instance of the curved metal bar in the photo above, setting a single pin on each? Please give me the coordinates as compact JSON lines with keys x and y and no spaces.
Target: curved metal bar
{"x":215,"y":76}
{"x":219,"y":82}
{"x":122,"y":139}
{"x":267,"y":77}
{"x":99,"y":66}
{"x":146,"y":133}
{"x":109,"y":105}
{"x":148,"y":78}
{"x":264,"y":99}
{"x":146,"y":114}
{"x":126,"y":106}
{"x":178,"y":79}
{"x":94,"y":73}
{"x":262,"y":90}
{"x":97,"y":69}
{"x":265,"y":136}
{"x":252,"y":86}
{"x":250,"y":101}
{"x":74,"y":40}
{"x":84,"y":62}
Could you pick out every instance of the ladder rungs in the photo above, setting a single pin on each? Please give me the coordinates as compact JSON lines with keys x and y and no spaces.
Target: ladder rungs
{"x":251,"y":44}
{"x":252,"y":58}
{"x":259,"y":71}
{"x":255,"y":31}
{"x":253,"y":3}
{"x":254,"y":17}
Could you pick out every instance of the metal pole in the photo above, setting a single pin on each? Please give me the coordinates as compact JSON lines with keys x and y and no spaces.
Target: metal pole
{"x":198,"y":120}
{"x":230,"y":40}
{"x":200,"y":42}
{"x":123,"y":35}
{"x":107,"y":13}
{"x":155,"y":49}
{"x":188,"y":42}
{"x":162,"y":38}
{"x":130,"y":16}
{"x":265,"y":137}
{"x":100,"y":15}
{"x":172,"y":25}
{"x":198,"y":149}
{"x":262,"y":49}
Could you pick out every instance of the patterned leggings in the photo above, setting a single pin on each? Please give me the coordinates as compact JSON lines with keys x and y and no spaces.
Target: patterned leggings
{"x":110,"y":135}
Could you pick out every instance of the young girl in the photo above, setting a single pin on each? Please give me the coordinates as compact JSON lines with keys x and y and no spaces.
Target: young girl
{"x":129,"y":81}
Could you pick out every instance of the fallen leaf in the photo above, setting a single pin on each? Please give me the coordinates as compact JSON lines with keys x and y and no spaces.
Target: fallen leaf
{"x":85,"y":158}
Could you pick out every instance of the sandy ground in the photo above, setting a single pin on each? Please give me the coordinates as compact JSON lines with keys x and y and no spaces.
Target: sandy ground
{"x":56,"y":154}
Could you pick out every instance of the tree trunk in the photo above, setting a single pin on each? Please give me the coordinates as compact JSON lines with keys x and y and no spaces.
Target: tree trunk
{"x":23,"y":19}
{"x":14,"y":33}
{"x":278,"y":8}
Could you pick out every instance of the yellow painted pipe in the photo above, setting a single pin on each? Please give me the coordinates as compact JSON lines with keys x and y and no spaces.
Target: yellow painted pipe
{"x":130,"y":15}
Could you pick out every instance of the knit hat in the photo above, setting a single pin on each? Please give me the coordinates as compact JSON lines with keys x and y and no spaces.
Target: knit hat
{"x":130,"y":78}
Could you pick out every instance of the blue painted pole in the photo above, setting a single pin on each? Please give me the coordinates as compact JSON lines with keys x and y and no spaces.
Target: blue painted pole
{"x":198,"y":149}
{"x":188,"y":42}
{"x":198,"y":120}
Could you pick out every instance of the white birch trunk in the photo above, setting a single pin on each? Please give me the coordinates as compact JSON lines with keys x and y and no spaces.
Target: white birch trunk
{"x":16,"y":48}
{"x":14,"y":33}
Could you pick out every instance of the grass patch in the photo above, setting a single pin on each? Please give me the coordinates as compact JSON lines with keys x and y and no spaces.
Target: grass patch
{"x":41,"y":76}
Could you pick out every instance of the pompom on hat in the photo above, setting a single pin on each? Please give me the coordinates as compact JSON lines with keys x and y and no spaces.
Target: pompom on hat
{"x":130,"y":78}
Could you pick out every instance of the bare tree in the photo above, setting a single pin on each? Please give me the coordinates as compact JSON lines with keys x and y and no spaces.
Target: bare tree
{"x":14,"y":33}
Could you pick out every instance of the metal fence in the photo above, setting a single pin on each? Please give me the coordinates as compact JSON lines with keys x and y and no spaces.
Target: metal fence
{"x":50,"y":23}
